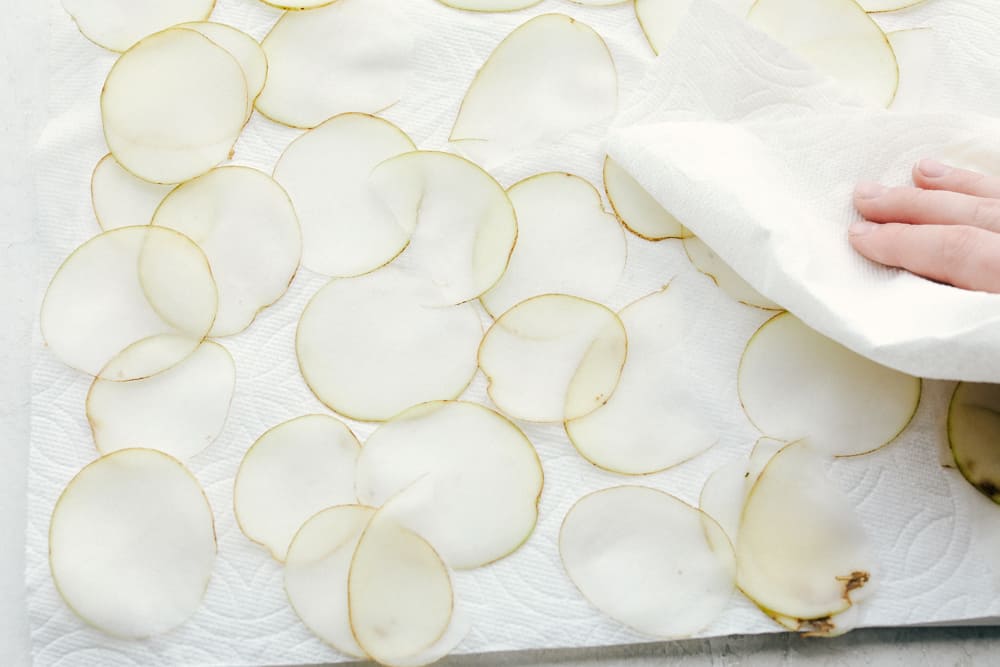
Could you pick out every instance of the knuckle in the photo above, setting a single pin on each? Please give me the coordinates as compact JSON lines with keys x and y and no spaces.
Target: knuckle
{"x":957,"y":246}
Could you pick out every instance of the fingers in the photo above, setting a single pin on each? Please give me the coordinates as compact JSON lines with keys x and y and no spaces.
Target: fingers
{"x":933,"y":175}
{"x":966,"y":257}
{"x":926,"y":207}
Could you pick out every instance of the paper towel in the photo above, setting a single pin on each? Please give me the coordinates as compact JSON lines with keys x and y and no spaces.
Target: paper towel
{"x":935,"y":554}
{"x":759,"y":155}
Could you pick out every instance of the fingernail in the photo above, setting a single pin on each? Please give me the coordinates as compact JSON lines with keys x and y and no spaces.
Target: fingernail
{"x":933,"y":168}
{"x":869,"y":190}
{"x":861,"y":227}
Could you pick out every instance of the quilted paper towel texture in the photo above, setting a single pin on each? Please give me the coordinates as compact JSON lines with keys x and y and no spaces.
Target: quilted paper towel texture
{"x":933,"y":551}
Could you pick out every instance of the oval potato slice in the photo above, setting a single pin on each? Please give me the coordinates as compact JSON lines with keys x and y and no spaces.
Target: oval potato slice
{"x":121,"y":199}
{"x":241,"y":46}
{"x":916,"y":54}
{"x":490,"y":5}
{"x":876,"y":6}
{"x":118,"y":24}
{"x":974,"y":435}
{"x":636,"y":209}
{"x":705,"y":260}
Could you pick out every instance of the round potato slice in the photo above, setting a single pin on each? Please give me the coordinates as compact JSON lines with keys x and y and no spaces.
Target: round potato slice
{"x":346,"y":229}
{"x":875,"y":6}
{"x":247,"y":227}
{"x":372,"y":346}
{"x":659,"y":20}
{"x":490,"y":5}
{"x":730,"y":282}
{"x":458,"y":474}
{"x":916,"y":54}
{"x":241,"y":46}
{"x":132,"y":544}
{"x":636,"y":209}
{"x":513,"y":103}
{"x":462,"y":224}
{"x":180,"y":411}
{"x":533,"y":352}
{"x":726,"y":490}
{"x":974,"y":434}
{"x":145,"y":286}
{"x":566,"y":243}
{"x":648,"y":560}
{"x":796,"y":383}
{"x":118,"y":24}
{"x":121,"y":199}
{"x":297,"y":5}
{"x":335,"y":59}
{"x":289,"y":474}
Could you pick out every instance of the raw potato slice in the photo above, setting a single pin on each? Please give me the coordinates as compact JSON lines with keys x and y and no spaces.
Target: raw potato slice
{"x":399,"y":593}
{"x":241,"y":46}
{"x":802,"y":552}
{"x":293,"y":471}
{"x":653,"y":420}
{"x":533,"y":352}
{"x":298,"y":4}
{"x":118,"y":24}
{"x":648,"y":560}
{"x":659,"y":20}
{"x":974,"y":435}
{"x":128,"y":286}
{"x":173,"y":106}
{"x":121,"y":199}
{"x":335,"y":59}
{"x":346,"y":229}
{"x":875,"y":6}
{"x":916,"y":54}
{"x":458,"y":474}
{"x":730,"y":282}
{"x":462,"y":224}
{"x":132,"y":544}
{"x":370,"y":347}
{"x":513,"y":103}
{"x":796,"y":383}
{"x":319,"y":560}
{"x":247,"y":227}
{"x":490,"y":5}
{"x":566,"y":243}
{"x":836,"y":37}
{"x":636,"y":209}
{"x":180,"y":411}
{"x":726,"y":490}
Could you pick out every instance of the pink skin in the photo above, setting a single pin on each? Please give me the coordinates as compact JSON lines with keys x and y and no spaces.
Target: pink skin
{"x":947,"y":228}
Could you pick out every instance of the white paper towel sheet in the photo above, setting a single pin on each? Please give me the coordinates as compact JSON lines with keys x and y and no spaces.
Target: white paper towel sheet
{"x":932,"y":532}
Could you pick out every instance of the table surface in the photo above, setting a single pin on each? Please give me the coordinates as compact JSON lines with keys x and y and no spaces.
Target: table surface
{"x":22,"y":95}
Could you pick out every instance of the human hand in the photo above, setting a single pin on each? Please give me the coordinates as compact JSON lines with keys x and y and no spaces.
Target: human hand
{"x":947,"y":228}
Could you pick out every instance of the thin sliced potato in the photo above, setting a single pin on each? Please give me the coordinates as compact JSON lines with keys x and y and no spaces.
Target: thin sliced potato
{"x":241,"y":46}
{"x":490,"y":5}
{"x":118,"y":24}
{"x":730,"y":282}
{"x":974,"y":435}
{"x":247,"y":227}
{"x":121,"y":199}
{"x":132,"y":544}
{"x":916,"y":54}
{"x":659,"y":20}
{"x":796,"y":383}
{"x":876,"y":6}
{"x":566,"y":243}
{"x":636,"y":209}
{"x":648,"y":560}
{"x":291,"y":472}
{"x":298,"y":5}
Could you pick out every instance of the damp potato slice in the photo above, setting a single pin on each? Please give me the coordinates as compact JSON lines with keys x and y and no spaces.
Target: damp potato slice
{"x":180,"y":411}
{"x":121,"y":199}
{"x":877,"y":6}
{"x":513,"y":103}
{"x":346,"y":229}
{"x":796,"y":383}
{"x":372,"y":346}
{"x":636,"y":209}
{"x":705,"y":260}
{"x":131,"y":288}
{"x":566,"y":243}
{"x":118,"y":24}
{"x":291,"y":472}
{"x":648,"y":560}
{"x":458,"y":474}
{"x":490,"y":5}
{"x":974,"y":435}
{"x":241,"y":46}
{"x":298,"y":5}
{"x":173,"y":106}
{"x":659,"y":20}
{"x":111,"y":568}
{"x":915,"y":51}
{"x":334,"y":59}
{"x":247,"y":227}
{"x":541,"y":347}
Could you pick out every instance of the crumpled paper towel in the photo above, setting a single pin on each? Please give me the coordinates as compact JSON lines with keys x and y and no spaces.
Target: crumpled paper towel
{"x":937,"y":560}
{"x":758,"y":155}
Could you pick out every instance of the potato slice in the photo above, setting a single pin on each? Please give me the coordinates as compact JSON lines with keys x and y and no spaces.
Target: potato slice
{"x":513,"y":103}
{"x":836,"y":37}
{"x":875,"y":6}
{"x":541,"y":347}
{"x":796,"y":383}
{"x":916,"y":54}
{"x":974,"y":435}
{"x":132,"y":544}
{"x":490,"y":5}
{"x":241,"y":46}
{"x":372,"y":346}
{"x":802,"y":552}
{"x":126,"y":287}
{"x":458,"y":474}
{"x":247,"y":227}
{"x":180,"y":411}
{"x":461,"y":223}
{"x":730,"y":282}
{"x":296,"y":5}
{"x":173,"y":106}
{"x":335,"y":59}
{"x":659,"y":20}
{"x":346,"y":229}
{"x":566,"y":243}
{"x":118,"y":24}
{"x":648,"y":560}
{"x":121,"y":199}
{"x":636,"y":209}
{"x":291,"y":472}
